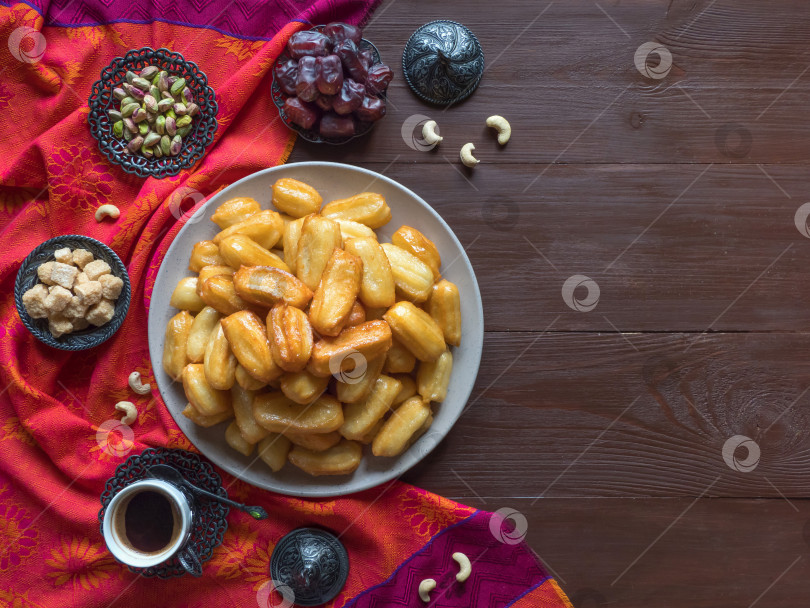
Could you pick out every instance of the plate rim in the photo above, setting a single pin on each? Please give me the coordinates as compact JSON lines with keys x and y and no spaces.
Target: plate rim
{"x":400,"y":466}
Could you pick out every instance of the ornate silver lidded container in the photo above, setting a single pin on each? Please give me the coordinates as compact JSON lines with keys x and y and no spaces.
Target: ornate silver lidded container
{"x":310,"y":565}
{"x":443,"y":62}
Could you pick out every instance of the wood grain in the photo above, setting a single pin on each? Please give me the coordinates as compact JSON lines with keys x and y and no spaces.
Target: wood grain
{"x":568,"y":84}
{"x":585,"y":415}
{"x":717,"y":552}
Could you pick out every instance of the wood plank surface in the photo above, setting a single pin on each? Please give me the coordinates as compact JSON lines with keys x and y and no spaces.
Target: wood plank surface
{"x":670,"y":553}
{"x":566,"y":414}
{"x":564,"y":75}
{"x":611,"y":424}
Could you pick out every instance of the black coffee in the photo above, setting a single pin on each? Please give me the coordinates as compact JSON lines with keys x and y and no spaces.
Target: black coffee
{"x":149,"y":522}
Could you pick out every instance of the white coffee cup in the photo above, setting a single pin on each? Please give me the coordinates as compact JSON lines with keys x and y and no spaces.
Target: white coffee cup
{"x":114,"y":525}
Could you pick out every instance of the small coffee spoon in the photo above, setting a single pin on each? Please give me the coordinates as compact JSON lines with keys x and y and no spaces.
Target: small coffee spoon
{"x":172,"y":475}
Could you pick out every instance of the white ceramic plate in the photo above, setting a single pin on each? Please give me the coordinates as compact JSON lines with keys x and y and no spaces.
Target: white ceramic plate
{"x":333,"y":181}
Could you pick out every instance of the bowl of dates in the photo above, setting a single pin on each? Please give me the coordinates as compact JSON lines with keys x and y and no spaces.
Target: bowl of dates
{"x":329,"y":84}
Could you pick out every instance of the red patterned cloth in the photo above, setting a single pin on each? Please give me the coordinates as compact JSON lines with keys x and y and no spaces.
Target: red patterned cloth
{"x":53,"y":458}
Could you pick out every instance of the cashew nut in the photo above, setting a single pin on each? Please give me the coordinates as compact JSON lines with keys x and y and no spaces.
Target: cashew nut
{"x":466,"y":155}
{"x":464,"y":566}
{"x":425,"y":587}
{"x":501,"y":125}
{"x":130,"y":411}
{"x":107,"y":211}
{"x":429,"y":133}
{"x":137,"y":386}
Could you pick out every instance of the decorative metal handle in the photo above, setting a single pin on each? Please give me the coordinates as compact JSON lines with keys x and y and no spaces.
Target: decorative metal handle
{"x":190,"y":561}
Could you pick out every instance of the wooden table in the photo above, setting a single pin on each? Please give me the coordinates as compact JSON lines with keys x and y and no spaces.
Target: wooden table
{"x":682,"y":200}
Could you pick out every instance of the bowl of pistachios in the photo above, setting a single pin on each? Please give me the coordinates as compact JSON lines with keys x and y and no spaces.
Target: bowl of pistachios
{"x":152,"y":112}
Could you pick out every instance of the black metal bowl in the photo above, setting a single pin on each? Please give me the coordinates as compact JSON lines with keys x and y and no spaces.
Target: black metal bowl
{"x":194,"y":144}
{"x":279,"y":97}
{"x":27,"y":278}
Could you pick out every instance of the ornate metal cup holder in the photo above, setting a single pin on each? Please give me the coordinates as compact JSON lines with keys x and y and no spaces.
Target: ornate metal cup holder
{"x":209,"y":522}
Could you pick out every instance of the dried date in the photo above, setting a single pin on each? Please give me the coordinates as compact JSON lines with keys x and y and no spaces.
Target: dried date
{"x":338,"y":32}
{"x":379,"y":77}
{"x":309,"y":43}
{"x":333,"y":125}
{"x":330,"y":74}
{"x":306,"y":86}
{"x":286,"y":74}
{"x":350,"y":97}
{"x":371,"y":110}
{"x":349,"y":56}
{"x":301,"y":113}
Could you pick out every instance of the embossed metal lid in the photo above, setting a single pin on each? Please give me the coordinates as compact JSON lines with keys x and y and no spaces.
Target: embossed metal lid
{"x":312,"y":564}
{"x":443,"y":62}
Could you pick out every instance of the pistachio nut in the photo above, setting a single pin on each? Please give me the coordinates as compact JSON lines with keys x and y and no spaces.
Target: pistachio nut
{"x":167,"y":95}
{"x":177,"y":145}
{"x":158,"y":152}
{"x":119,"y":93}
{"x":130,"y":125}
{"x":178,"y":86}
{"x":171,"y":126}
{"x":188,"y":95}
{"x":141,"y":83}
{"x":166,"y":145}
{"x":114,"y":115}
{"x":179,"y":109}
{"x":135,"y":144}
{"x":165,"y":105}
{"x":160,"y":125}
{"x":163,"y":81}
{"x":136,"y":93}
{"x":139,"y":115}
{"x":149,"y":72}
{"x":183,"y":131}
{"x":170,"y":112}
{"x":143,"y":128}
{"x":154,"y":92}
{"x":118,"y":128}
{"x":183,"y":121}
{"x":128,"y":100}
{"x":151,"y":139}
{"x":130,"y":76}
{"x":150,"y":103}
{"x":147,"y":152}
{"x":172,"y":80}
{"x":129,"y":109}
{"x":128,"y":135}
{"x":192,"y":109}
